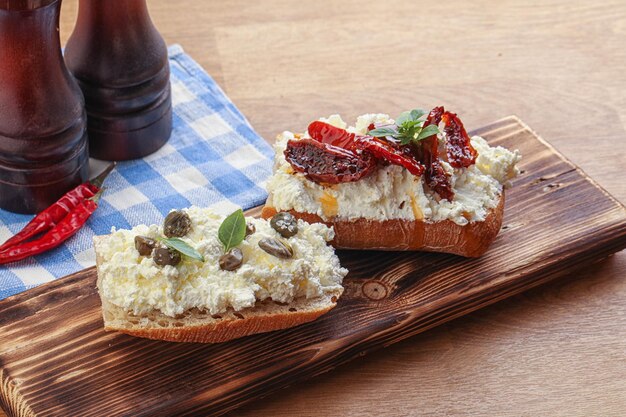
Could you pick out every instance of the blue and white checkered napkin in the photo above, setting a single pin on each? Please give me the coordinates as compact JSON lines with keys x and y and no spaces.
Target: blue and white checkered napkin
{"x":213,"y":159}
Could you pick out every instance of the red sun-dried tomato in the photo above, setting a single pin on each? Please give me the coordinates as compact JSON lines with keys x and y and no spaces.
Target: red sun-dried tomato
{"x":332,"y":135}
{"x":381,"y":149}
{"x":334,"y":155}
{"x":436,"y":176}
{"x":461,"y":153}
{"x":387,"y":152}
{"x":324,"y":163}
{"x":439,"y":180}
{"x":434,"y":117}
{"x":429,"y":147}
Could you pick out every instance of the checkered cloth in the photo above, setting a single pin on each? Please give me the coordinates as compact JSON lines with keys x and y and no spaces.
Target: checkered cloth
{"x":213,"y":159}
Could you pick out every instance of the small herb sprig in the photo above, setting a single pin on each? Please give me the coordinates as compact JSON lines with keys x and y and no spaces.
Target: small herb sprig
{"x":409,"y":127}
{"x":183,"y":247}
{"x":232,"y":231}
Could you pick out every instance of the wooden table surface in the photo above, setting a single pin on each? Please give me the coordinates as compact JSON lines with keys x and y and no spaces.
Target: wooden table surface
{"x":559,"y":65}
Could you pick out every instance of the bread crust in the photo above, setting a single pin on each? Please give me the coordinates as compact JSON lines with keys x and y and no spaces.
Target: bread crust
{"x":471,"y":240}
{"x":199,"y":327}
{"x":209,"y":329}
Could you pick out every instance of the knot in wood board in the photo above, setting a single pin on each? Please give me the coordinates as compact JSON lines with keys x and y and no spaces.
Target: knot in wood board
{"x":374,"y":290}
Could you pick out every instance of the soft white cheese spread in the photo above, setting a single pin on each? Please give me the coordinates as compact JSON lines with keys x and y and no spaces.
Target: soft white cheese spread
{"x":391,"y":192}
{"x":137,"y":284}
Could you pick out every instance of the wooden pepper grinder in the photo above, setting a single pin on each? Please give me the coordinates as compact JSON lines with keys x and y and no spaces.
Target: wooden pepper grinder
{"x":121,"y":64}
{"x":43,"y":138}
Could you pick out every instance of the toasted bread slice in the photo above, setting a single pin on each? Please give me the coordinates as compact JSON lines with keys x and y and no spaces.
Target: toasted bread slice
{"x":471,"y":240}
{"x":202,"y":327}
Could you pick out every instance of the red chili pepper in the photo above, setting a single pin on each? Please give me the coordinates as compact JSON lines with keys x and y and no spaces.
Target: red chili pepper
{"x":48,"y":218}
{"x":58,"y":234}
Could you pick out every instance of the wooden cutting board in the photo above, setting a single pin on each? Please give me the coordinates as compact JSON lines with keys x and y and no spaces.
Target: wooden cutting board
{"x":57,"y":360}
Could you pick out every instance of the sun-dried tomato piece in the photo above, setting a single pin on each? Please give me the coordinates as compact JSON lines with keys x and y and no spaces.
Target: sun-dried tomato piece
{"x":324,"y":163}
{"x":436,"y":176}
{"x":434,"y":117}
{"x":332,"y":135}
{"x":439,"y":180}
{"x":386,"y":151}
{"x":429,"y":147}
{"x":461,"y":153}
{"x":380,"y":148}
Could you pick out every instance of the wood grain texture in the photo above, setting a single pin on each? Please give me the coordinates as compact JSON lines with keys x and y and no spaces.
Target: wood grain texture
{"x":57,"y":360}
{"x":557,"y":350}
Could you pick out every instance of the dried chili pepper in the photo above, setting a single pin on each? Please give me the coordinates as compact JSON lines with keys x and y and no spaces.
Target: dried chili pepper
{"x":58,"y":234}
{"x":461,"y":153}
{"x":48,"y":218}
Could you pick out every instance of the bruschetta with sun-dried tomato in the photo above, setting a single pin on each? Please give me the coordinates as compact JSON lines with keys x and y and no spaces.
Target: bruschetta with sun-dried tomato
{"x":418,"y":182}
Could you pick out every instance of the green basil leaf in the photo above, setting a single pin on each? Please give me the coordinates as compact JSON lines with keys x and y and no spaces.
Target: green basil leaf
{"x":232,"y":231}
{"x":403,"y":118}
{"x":417,"y":125}
{"x":382,"y":131}
{"x":405,"y":140}
{"x":182,"y":247}
{"x":428,"y":131}
{"x":417,"y":113}
{"x":411,"y":124}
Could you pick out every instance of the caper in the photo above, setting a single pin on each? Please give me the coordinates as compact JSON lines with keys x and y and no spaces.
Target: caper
{"x":250,"y":229}
{"x":231,"y":260}
{"x":144,"y":245}
{"x":285,"y":224}
{"x":276,"y":248}
{"x":176,"y":224}
{"x":165,"y":256}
